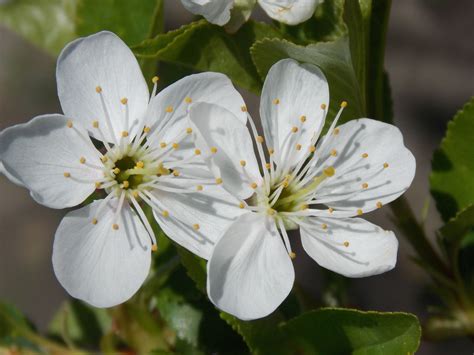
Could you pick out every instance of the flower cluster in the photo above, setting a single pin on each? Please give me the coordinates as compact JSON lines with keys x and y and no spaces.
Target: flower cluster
{"x":187,"y":153}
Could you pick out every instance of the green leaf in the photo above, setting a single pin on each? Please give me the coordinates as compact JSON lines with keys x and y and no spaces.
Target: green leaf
{"x":333,"y":58}
{"x":458,"y":227}
{"x":49,"y":24}
{"x":452,"y":179}
{"x":195,"y":267}
{"x":206,"y":47}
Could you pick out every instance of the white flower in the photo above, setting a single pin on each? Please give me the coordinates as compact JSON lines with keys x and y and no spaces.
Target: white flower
{"x":310,"y":184}
{"x":291,"y":12}
{"x":101,"y":252}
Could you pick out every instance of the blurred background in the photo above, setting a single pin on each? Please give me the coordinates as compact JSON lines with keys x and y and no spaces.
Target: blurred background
{"x":430,"y":59}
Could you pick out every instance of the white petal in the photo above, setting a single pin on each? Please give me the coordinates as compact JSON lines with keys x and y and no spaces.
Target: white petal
{"x":169,"y":109}
{"x":9,"y":176}
{"x":214,"y":11}
{"x":196,"y":220}
{"x":40,"y":152}
{"x":291,"y":12}
{"x":104,"y":60}
{"x":380,"y":143}
{"x":290,"y":91}
{"x":217,"y":128}
{"x":250,"y":273}
{"x":351,"y":247}
{"x":96,"y":263}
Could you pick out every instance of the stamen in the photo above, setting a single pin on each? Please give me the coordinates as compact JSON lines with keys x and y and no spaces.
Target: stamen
{"x":379,"y":204}
{"x":276,"y":101}
{"x":82,"y":160}
{"x":385,"y":165}
{"x":196,"y":226}
{"x":243,"y":108}
{"x":218,"y":181}
{"x":188,"y":100}
{"x":67,"y":175}
{"x":365,"y":155}
{"x":144,"y":220}
{"x":365,"y":185}
{"x":213,"y":150}
{"x":169,"y":109}
{"x":359,"y":212}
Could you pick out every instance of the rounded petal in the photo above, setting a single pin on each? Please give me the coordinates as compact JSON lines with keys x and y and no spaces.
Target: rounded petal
{"x":227,"y":147}
{"x":291,"y":12}
{"x":45,"y":156}
{"x":372,"y":166}
{"x":214,"y":11}
{"x":290,"y":108}
{"x":103,"y":61}
{"x":96,"y":263}
{"x":196,"y":220}
{"x":168,"y":111}
{"x":250,"y":273}
{"x":351,"y":247}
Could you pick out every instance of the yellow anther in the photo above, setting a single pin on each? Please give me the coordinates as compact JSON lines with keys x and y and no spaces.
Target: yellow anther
{"x":330,"y":210}
{"x":323,"y":106}
{"x":82,"y":160}
{"x":155,"y":79}
{"x":116,"y":171}
{"x":336,"y":131}
{"x":218,"y":181}
{"x":104,"y":159}
{"x":344,"y":104}
{"x":334,"y":152}
{"x":115,"y":226}
{"x":176,"y":173}
{"x":365,"y":185}
{"x":379,"y":204}
{"x":253,"y":185}
{"x":243,"y":108}
{"x":124,"y":101}
{"x":312,"y":149}
{"x":188,"y":100}
{"x":359,"y":212}
{"x":165,"y":213}
{"x":94,"y":221}
{"x":98,"y":89}
{"x":276,"y":101}
{"x":304,"y":207}
{"x":329,"y":171}
{"x":324,"y":226}
{"x":196,"y":226}
{"x":124,"y":134}
{"x":199,"y":187}
{"x":189,"y":130}
{"x":303,"y":118}
{"x":197,"y":151}
{"x":365,"y":155}
{"x":298,"y":147}
{"x":213,"y":150}
{"x":175,"y":145}
{"x":154,"y":248}
{"x":346,"y":244}
{"x":271,"y":212}
{"x":260,"y":139}
{"x":243,"y":163}
{"x":139,"y":164}
{"x":125,"y":184}
{"x":271,"y":151}
{"x":285,"y":183}
{"x":242,"y":205}
{"x":146,"y":129}
{"x":98,"y":185}
{"x":163,"y":145}
{"x":292,"y":255}
{"x":169,"y":109}
{"x":95,"y":124}
{"x":294,"y":129}
{"x":66,"y":174}
{"x":69,"y":124}
{"x":135,"y":193}
{"x":268,"y":166}
{"x":385,"y":165}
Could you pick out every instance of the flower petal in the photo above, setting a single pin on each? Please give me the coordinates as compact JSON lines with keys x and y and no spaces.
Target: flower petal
{"x":372,"y":166}
{"x":214,"y":11}
{"x":101,"y":60}
{"x":250,"y":273}
{"x":45,"y":156}
{"x":196,"y":220}
{"x":292,"y":92}
{"x":291,"y":12}
{"x":227,"y":147}
{"x":9,"y":176}
{"x":96,"y":263}
{"x":351,"y":247}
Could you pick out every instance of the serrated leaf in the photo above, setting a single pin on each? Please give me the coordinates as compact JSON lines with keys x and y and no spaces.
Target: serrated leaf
{"x":452,"y":179}
{"x":49,"y":24}
{"x":206,"y":47}
{"x":458,"y":227}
